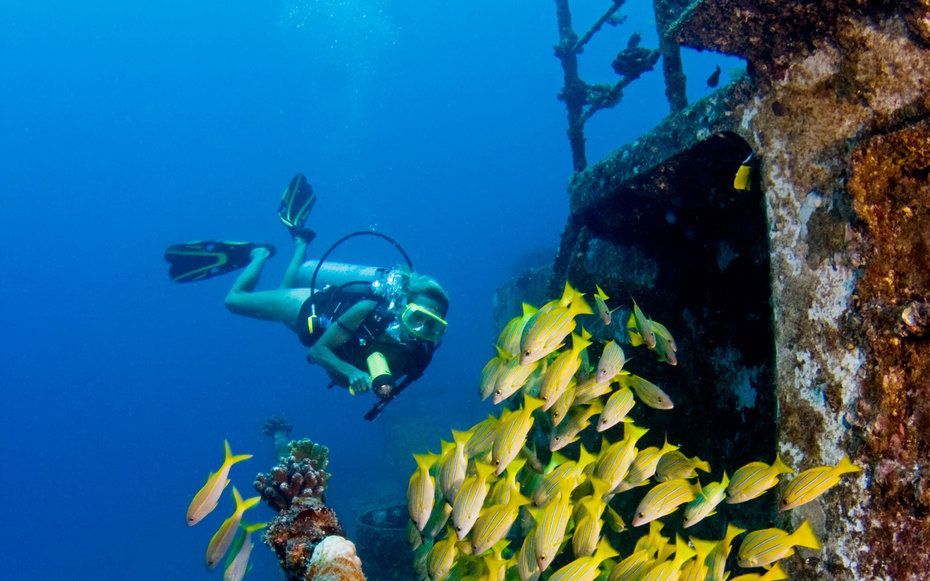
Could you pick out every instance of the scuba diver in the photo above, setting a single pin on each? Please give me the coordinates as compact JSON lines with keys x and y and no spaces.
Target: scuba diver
{"x":371,"y":328}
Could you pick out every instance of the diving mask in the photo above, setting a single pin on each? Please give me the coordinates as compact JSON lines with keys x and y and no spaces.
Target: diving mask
{"x":423,"y":323}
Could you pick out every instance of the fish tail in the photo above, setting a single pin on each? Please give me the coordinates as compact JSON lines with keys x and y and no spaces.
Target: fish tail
{"x":529,"y":310}
{"x":776,"y":573}
{"x":230,"y":459}
{"x":845,"y":466}
{"x":600,"y":292}
{"x":532,"y":403}
{"x":804,"y":537}
{"x":726,"y":480}
{"x":702,"y":465}
{"x":780,"y":467}
{"x":580,"y":342}
{"x":461,"y":438}
{"x":484,"y":470}
{"x":424,"y":461}
{"x":579,"y":306}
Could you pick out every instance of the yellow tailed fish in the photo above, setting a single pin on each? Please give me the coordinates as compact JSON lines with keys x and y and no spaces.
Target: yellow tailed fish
{"x":490,"y":375}
{"x":240,"y":563}
{"x":512,"y":379}
{"x":813,"y":482}
{"x":644,"y":466}
{"x":664,"y":499}
{"x":588,"y":525}
{"x":647,"y":392}
{"x":611,"y":362}
{"x":639,"y":330}
{"x":632,"y":567}
{"x":589,"y":390}
{"x":761,"y":548}
{"x":742,"y":181}
{"x":560,"y":408}
{"x":586,"y":568}
{"x":654,"y":542}
{"x":577,"y":420}
{"x":503,"y":488}
{"x":696,"y":569}
{"x":437,"y":519}
{"x":615,"y":459}
{"x":546,"y":331}
{"x":676,"y":465}
{"x":615,"y":410}
{"x":442,"y":556}
{"x":614,"y":521}
{"x":495,"y":522}
{"x":717,"y":559}
{"x":670,"y":570}
{"x":551,"y":525}
{"x":469,"y":500}
{"x":227,"y":532}
{"x":509,"y":340}
{"x":495,"y":564}
{"x":453,"y":464}
{"x":776,"y":573}
{"x":206,"y":498}
{"x":706,"y":501}
{"x":561,"y":371}
{"x":562,"y":471}
{"x":512,"y":433}
{"x":754,"y":479}
{"x":527,"y":567}
{"x":665,"y":346}
{"x":600,"y":303}
{"x":421,"y":490}
{"x":482,"y":437}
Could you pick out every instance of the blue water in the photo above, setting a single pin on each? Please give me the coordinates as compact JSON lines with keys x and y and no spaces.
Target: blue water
{"x":127,"y":126}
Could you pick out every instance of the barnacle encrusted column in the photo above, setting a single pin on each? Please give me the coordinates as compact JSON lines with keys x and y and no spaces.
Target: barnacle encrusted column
{"x":306,"y":535}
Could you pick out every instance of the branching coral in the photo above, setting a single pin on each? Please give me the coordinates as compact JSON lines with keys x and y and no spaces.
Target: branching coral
{"x":302,"y":474}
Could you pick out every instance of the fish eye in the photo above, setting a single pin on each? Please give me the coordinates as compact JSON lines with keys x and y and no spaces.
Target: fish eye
{"x":642,"y":515}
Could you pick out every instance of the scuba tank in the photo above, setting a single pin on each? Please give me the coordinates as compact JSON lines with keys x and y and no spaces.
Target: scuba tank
{"x":339,"y":274}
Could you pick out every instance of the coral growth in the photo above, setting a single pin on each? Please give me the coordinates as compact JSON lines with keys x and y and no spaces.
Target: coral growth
{"x":302,"y":474}
{"x":334,"y":559}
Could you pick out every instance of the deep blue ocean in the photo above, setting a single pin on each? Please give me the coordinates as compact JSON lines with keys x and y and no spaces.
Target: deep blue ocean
{"x":127,"y":126}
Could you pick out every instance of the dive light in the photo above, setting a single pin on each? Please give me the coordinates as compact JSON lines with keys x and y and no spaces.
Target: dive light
{"x":380,"y":373}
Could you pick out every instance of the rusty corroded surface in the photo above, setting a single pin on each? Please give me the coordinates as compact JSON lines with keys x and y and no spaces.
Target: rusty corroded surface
{"x":890,"y":186}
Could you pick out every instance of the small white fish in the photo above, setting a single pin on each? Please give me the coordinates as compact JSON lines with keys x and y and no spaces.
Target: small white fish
{"x":813,"y":482}
{"x":227,"y":532}
{"x":762,"y":548}
{"x":240,"y":563}
{"x":209,"y":494}
{"x":421,"y":490}
{"x":664,"y":499}
{"x":615,"y":410}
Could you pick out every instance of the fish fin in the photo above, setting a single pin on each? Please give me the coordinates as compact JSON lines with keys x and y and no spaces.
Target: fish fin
{"x":776,"y":573}
{"x":229,"y":460}
{"x":484,"y":470}
{"x":424,"y":461}
{"x":503,"y":355}
{"x":531,"y":403}
{"x":702,"y":465}
{"x":845,"y":466}
{"x":780,"y":467}
{"x":804,"y":537}
{"x":600,"y":292}
{"x":725,"y":481}
{"x":460,"y":438}
{"x":254,"y":527}
{"x":529,"y":310}
{"x":579,"y":306}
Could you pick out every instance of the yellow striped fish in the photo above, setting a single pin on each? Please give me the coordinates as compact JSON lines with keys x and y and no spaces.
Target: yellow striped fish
{"x":615,"y":459}
{"x":551,"y":525}
{"x":631,"y":567}
{"x":585,"y":568}
{"x":452,"y":465}
{"x":512,"y":432}
{"x":717,"y":559}
{"x":647,"y":392}
{"x":655,"y":542}
{"x":578,"y":419}
{"x":664,"y":499}
{"x":421,"y":490}
{"x":705,"y":502}
{"x":227,"y":532}
{"x":512,"y":378}
{"x":470,"y":499}
{"x":611,"y":362}
{"x":527,"y":567}
{"x":490,"y":374}
{"x":437,"y":519}
{"x":639,"y":330}
{"x":776,"y":573}
{"x":754,"y":479}
{"x":238,"y":567}
{"x":502,"y":489}
{"x":588,"y":525}
{"x":696,"y":569}
{"x":562,"y":470}
{"x":509,"y":340}
{"x":589,"y":390}
{"x":495,"y":564}
{"x":546,"y":331}
{"x":615,"y":410}
{"x":560,"y":408}
{"x":561,"y":371}
{"x":644,"y":466}
{"x":209,"y":494}
{"x":761,"y":548}
{"x":495,"y":522}
{"x":482,"y":437}
{"x":600,"y":303}
{"x":442,"y":556}
{"x":813,"y":482}
{"x":665,"y":345}
{"x":676,"y":465}
{"x":669,"y":570}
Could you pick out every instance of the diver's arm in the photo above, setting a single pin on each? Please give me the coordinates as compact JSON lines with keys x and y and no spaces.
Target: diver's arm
{"x":323,"y":351}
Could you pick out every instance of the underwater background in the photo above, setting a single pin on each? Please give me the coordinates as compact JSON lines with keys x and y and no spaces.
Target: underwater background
{"x":125,"y":127}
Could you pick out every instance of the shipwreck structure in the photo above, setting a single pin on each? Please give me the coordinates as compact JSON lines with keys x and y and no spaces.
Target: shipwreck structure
{"x":801,"y":305}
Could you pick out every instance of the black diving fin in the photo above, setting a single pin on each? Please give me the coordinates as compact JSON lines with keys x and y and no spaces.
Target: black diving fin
{"x":201,"y":259}
{"x":296,"y":202}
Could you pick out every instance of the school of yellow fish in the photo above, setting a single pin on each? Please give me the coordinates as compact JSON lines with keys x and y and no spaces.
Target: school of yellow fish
{"x":234,"y":538}
{"x":486,"y":509}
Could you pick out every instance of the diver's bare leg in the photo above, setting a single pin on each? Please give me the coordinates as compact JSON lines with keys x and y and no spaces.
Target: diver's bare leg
{"x":300,"y":255}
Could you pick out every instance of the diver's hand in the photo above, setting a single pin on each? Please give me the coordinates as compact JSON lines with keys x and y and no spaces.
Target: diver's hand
{"x":359,"y":382}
